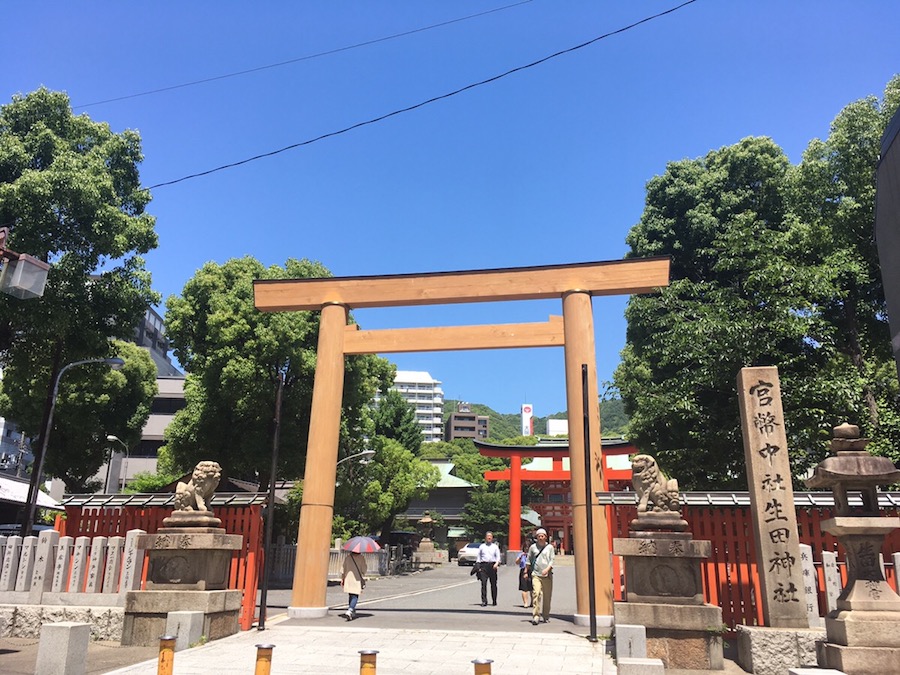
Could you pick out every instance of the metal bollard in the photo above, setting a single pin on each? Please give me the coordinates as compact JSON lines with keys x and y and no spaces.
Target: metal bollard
{"x":166,"y":655}
{"x":367,"y":661}
{"x":483,"y":666}
{"x":263,"y":659}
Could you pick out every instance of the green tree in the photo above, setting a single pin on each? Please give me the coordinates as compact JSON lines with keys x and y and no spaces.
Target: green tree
{"x":487,"y":510}
{"x":394,"y":417}
{"x":371,"y":495}
{"x":70,"y":192}
{"x":735,"y":299}
{"x":93,"y":401}
{"x":832,"y":198}
{"x":233,"y":355}
{"x":771,"y":265}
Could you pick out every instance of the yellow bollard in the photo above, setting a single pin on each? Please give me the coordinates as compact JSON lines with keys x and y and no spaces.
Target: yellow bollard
{"x":166,"y":655}
{"x":482,"y":666}
{"x":263,"y":659}
{"x":367,"y":661}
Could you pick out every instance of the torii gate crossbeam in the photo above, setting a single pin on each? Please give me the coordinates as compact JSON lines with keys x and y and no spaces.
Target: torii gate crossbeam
{"x":574,"y":284}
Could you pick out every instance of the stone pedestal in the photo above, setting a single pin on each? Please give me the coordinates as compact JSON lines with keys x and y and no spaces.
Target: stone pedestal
{"x":188,"y":572}
{"x":146,"y":613}
{"x":664,"y":593}
{"x":189,"y":558}
{"x":427,"y":554}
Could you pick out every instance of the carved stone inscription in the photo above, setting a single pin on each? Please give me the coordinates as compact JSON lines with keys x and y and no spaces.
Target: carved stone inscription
{"x":771,"y":498}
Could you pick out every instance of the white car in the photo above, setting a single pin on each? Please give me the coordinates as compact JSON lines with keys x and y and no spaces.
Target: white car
{"x":468,"y":554}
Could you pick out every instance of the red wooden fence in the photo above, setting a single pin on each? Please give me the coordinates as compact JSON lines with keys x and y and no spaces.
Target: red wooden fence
{"x":246,"y":521}
{"x":730,"y":578}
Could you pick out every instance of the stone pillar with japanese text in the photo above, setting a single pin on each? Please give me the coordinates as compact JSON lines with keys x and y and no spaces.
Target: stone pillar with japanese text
{"x":771,"y":498}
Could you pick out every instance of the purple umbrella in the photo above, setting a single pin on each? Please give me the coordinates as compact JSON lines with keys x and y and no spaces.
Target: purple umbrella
{"x":362,"y":545}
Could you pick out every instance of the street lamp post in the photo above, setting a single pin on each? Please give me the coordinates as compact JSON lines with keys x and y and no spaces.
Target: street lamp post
{"x":120,"y":482}
{"x":38,"y":466}
{"x":364,"y":453}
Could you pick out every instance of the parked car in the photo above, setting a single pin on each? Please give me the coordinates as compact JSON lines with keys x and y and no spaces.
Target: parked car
{"x":468,"y":554}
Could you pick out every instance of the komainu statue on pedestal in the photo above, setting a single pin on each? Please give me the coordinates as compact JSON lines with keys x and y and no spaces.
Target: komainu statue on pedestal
{"x":656,"y":492}
{"x":195,"y":495}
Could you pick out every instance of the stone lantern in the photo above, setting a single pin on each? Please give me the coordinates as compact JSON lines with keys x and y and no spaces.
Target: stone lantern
{"x":425,"y":553}
{"x":861,"y":631}
{"x":425,"y":526}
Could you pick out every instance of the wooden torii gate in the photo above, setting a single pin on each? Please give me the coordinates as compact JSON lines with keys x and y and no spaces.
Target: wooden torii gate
{"x":574,"y":284}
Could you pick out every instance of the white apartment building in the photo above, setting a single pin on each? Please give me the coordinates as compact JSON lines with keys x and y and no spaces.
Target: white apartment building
{"x":425,"y":394}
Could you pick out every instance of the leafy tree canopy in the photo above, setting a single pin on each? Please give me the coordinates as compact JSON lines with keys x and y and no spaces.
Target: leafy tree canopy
{"x":93,"y":402}
{"x":233,"y":355}
{"x":771,"y":265}
{"x":393,"y":478}
{"x":70,"y":194}
{"x":394,"y":417}
{"x":487,"y":511}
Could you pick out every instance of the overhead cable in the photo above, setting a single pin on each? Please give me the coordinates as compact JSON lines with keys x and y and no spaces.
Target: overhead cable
{"x":301,"y":58}
{"x":421,"y":104}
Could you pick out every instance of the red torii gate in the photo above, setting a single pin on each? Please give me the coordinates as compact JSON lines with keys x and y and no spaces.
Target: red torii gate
{"x":613,"y":473}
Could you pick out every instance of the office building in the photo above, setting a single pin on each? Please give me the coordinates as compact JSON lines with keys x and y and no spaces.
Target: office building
{"x":424,"y":393}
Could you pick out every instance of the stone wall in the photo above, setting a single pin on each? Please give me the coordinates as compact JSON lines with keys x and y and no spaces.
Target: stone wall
{"x":24,"y":621}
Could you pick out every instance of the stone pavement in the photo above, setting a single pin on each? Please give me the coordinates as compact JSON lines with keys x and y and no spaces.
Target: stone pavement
{"x":335,"y":649}
{"x":420,"y":623}
{"x":319,"y":647}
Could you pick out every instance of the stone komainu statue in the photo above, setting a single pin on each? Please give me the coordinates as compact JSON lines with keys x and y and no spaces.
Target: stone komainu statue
{"x":656,"y":493}
{"x":195,"y":495}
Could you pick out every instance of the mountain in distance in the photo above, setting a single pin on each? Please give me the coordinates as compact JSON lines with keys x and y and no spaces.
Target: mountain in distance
{"x":507,"y":425}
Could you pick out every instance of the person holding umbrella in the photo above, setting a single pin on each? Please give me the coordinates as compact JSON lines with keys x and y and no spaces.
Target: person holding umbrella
{"x":353,"y":577}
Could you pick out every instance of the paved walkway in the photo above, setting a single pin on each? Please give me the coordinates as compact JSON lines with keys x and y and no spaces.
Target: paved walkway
{"x":335,"y":649}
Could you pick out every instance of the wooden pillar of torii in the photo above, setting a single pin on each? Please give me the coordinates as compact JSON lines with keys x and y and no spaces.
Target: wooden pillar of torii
{"x":574,"y":284}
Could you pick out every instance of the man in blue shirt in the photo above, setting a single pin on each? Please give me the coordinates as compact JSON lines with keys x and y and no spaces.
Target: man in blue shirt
{"x":488,"y":561}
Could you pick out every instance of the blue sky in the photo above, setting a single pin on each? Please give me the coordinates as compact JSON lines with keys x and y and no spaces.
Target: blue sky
{"x":545,"y":166}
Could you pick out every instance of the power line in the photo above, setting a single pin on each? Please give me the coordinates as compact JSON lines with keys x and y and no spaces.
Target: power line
{"x":421,"y":104}
{"x":299,"y":59}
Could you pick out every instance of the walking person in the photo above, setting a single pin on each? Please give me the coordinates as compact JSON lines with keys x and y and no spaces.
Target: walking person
{"x":540,"y":559}
{"x":353,"y":580}
{"x":524,"y":576}
{"x":488,"y":561}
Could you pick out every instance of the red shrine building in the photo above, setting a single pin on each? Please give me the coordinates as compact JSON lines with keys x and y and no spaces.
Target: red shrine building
{"x":548,"y":471}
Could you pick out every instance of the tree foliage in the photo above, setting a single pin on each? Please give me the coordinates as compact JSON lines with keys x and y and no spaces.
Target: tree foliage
{"x":70,"y":194}
{"x":487,"y":511}
{"x":233,"y":355}
{"x":93,"y":402}
{"x":369,"y":496}
{"x":394,"y":417}
{"x":772,"y":264}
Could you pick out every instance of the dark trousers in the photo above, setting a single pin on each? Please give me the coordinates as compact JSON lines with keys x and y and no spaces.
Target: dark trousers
{"x":488,"y":573}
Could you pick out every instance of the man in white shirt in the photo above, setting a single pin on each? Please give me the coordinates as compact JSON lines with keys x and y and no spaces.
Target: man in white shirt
{"x":488,"y":561}
{"x":540,"y":558}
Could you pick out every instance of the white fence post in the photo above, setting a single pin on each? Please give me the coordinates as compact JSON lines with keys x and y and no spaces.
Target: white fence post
{"x":10,"y":563}
{"x":95,"y":571}
{"x":132,"y":563}
{"x":113,"y":564}
{"x":832,"y":580}
{"x":61,"y":565}
{"x":810,"y":586}
{"x":42,"y":576}
{"x":79,"y":564}
{"x":26,"y":563}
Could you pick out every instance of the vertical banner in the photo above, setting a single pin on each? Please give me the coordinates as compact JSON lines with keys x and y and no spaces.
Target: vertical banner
{"x":771,"y":498}
{"x":527,"y":419}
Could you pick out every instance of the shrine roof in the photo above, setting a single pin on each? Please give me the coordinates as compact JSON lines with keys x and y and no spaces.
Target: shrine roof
{"x":807,"y":499}
{"x":552,"y":447}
